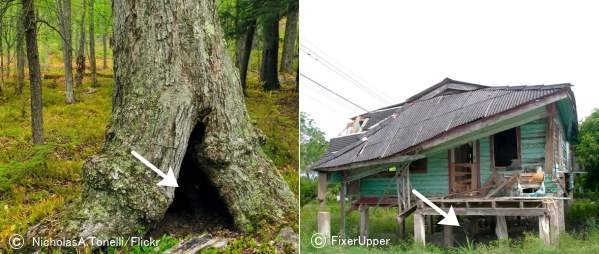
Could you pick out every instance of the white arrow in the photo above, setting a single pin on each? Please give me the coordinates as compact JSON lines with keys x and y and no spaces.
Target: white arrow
{"x":168,"y":179}
{"x":449,"y":217}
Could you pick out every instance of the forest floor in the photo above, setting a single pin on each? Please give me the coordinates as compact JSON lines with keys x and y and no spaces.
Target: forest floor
{"x":37,"y":181}
{"x":582,"y":234}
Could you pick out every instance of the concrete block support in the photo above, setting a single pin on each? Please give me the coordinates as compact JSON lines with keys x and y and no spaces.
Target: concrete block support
{"x":419,"y":229}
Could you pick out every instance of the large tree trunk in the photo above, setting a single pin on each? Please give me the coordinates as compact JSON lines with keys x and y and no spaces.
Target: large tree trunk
{"x":92,"y":44}
{"x":176,"y":93}
{"x":29,"y":24}
{"x":244,"y":50}
{"x":270,"y":52}
{"x":80,"y":60}
{"x":291,"y":34}
{"x":67,"y":51}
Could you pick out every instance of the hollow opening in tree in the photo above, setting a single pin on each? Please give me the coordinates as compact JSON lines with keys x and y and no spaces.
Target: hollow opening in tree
{"x":197,"y":206}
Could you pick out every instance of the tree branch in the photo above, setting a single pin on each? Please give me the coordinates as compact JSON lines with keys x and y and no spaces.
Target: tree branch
{"x":57,"y":31}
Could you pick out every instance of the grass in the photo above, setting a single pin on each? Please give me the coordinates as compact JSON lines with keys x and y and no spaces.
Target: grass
{"x":37,"y":181}
{"x":382,"y":225}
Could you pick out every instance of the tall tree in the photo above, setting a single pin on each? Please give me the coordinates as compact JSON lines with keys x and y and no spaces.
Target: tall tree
{"x":105,"y":51}
{"x":92,"y":44}
{"x":586,"y":150}
{"x":64,"y":17}
{"x":270,"y":51}
{"x":312,"y":140}
{"x":176,"y":94}
{"x":244,"y":51}
{"x":245,"y":30}
{"x":291,"y":35}
{"x":80,"y":60}
{"x":29,"y":24}
{"x":20,"y":52}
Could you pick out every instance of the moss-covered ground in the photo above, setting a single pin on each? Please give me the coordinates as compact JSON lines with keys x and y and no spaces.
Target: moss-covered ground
{"x":37,"y":181}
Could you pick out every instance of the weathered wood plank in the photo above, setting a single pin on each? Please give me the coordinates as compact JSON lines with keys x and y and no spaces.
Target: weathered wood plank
{"x":448,"y":238}
{"x":419,"y":232}
{"x":544,"y":229}
{"x":364,"y":221}
{"x":553,"y":222}
{"x":501,"y":186}
{"x":490,"y":211}
{"x":193,"y":245}
{"x":401,"y":227}
{"x":501,"y":227}
{"x":322,"y":186}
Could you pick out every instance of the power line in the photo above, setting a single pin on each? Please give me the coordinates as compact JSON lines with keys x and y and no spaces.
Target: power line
{"x":331,"y":91}
{"x":343,"y":74}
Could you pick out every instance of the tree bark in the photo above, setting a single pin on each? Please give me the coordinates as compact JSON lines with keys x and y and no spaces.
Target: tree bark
{"x":80,"y":60}
{"x":92,"y":45}
{"x":244,"y":51}
{"x":176,"y":92}
{"x":67,"y":51}
{"x":1,"y":61}
{"x":105,"y":49}
{"x":291,"y":34}
{"x":270,"y":52}
{"x":29,"y":24}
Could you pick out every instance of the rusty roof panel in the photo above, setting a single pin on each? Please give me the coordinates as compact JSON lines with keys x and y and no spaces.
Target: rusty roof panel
{"x":422,"y":120}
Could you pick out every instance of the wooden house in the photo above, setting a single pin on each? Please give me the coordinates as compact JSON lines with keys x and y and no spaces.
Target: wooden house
{"x":486,"y":151}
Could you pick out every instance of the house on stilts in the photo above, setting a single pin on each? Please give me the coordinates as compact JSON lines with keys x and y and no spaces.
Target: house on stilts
{"x":487,"y":151}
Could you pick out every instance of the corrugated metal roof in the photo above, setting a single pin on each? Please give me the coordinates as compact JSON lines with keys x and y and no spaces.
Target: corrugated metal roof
{"x":338,"y":143}
{"x":422,"y":120}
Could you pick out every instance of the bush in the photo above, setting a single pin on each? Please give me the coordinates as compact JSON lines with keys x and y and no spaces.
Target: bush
{"x":583,"y":210}
{"x":308,"y":190}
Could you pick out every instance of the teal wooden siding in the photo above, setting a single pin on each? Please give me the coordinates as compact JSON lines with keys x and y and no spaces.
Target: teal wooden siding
{"x":335,"y":177}
{"x":485,"y":160}
{"x":532,"y":141}
{"x":532,"y":144}
{"x":435,"y":180}
{"x":378,"y":186}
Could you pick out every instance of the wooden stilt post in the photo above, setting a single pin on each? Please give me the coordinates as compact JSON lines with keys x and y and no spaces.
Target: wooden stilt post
{"x":419,"y":232}
{"x":363,"y":220}
{"x":429,"y":224}
{"x":447,"y":236}
{"x":560,"y":215}
{"x":544,"y":229}
{"x":324,"y":217}
{"x":553,"y":222}
{"x":322,"y":189}
{"x":401,"y":227}
{"x":342,"y":210}
{"x":475,"y":229}
{"x":501,"y":227}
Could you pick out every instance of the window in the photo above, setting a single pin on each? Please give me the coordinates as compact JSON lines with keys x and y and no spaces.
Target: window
{"x":418,"y":166}
{"x":505,"y":147}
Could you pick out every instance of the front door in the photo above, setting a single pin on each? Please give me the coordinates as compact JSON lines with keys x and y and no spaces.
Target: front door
{"x":463,"y":169}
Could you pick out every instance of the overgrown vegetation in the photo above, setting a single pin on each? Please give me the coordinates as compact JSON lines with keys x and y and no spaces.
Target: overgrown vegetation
{"x":586,"y":151}
{"x":584,"y":239}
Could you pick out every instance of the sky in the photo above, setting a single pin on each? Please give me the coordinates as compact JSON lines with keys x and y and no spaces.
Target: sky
{"x":382,"y":52}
